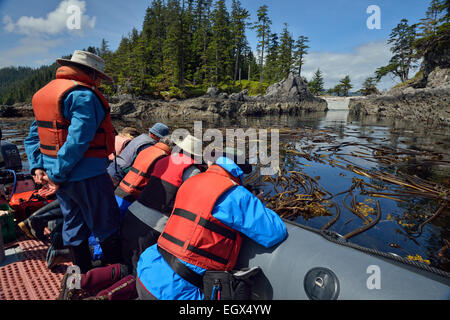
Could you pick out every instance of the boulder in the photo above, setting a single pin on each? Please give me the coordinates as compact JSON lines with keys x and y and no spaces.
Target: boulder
{"x":212,"y":92}
{"x":291,"y":89}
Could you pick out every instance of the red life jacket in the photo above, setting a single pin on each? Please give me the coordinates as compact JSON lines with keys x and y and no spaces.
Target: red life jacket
{"x":48,"y":106}
{"x":136,"y":179}
{"x":192,"y":234}
{"x":165,"y":180}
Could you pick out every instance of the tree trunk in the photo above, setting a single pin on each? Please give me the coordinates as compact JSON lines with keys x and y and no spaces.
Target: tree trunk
{"x":240,"y":73}
{"x":236,"y":65}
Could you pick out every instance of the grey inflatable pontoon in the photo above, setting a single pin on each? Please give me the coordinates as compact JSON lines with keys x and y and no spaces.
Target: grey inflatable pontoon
{"x":307,"y":265}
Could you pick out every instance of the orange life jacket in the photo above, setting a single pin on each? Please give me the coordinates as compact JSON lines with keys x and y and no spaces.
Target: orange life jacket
{"x":48,"y":106}
{"x":192,"y":234}
{"x":137,"y":178}
{"x":26,"y":203}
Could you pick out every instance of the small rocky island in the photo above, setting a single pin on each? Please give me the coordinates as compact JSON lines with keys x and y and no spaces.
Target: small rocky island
{"x":290,"y":95}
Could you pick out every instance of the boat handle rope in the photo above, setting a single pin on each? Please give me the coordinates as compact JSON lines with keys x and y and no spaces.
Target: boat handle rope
{"x":339,"y":239}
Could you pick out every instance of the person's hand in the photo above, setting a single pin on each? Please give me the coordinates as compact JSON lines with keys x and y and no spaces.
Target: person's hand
{"x":50,"y":186}
{"x":39,"y":175}
{"x":45,"y":191}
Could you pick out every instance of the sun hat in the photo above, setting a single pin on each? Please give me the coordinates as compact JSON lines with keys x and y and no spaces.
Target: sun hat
{"x":190,"y":144}
{"x":87,"y":59}
{"x":159,"y":129}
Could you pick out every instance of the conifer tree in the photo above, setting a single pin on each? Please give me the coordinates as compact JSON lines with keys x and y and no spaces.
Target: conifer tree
{"x":285,"y":59}
{"x":300,"y":50}
{"x":239,"y":17}
{"x":271,"y":70}
{"x":404,"y":57}
{"x":316,"y":85}
{"x":262,"y":27}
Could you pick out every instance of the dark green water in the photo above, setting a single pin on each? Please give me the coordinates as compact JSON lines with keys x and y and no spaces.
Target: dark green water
{"x":393,"y":232}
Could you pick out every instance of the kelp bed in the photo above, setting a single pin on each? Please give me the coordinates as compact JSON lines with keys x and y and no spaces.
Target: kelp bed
{"x":295,"y":194}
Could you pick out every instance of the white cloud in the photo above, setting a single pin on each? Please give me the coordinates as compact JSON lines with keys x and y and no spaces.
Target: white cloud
{"x":54,"y":23}
{"x":9,"y":25}
{"x":359,"y":64}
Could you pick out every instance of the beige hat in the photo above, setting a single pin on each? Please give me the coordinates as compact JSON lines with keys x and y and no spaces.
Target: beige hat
{"x":191,"y":145}
{"x":89,"y":60}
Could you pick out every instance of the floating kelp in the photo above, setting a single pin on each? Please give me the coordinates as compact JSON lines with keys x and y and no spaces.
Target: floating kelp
{"x":297,"y":194}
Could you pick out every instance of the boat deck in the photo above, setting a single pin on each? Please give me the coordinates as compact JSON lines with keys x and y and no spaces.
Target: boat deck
{"x":24,"y":274}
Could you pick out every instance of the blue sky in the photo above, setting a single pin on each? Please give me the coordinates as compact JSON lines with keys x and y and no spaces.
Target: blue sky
{"x":34,"y":32}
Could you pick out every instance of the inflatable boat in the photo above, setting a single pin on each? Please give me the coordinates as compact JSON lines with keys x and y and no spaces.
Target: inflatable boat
{"x":320,"y":265}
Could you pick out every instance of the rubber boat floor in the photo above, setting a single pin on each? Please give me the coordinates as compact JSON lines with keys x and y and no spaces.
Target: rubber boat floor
{"x":24,"y":274}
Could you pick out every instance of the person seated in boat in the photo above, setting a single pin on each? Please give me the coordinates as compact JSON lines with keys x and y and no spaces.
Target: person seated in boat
{"x":118,"y":168}
{"x":146,"y":217}
{"x":140,"y":172}
{"x":203,"y":233}
{"x":68,"y":147}
{"x":122,"y":139}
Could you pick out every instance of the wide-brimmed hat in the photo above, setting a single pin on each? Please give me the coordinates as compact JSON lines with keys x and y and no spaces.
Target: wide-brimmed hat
{"x":159,"y":129}
{"x":87,"y":59}
{"x":190,"y":144}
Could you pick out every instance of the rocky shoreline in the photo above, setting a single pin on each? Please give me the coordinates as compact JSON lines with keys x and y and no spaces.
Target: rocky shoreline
{"x":429,"y":105}
{"x":290,"y":96}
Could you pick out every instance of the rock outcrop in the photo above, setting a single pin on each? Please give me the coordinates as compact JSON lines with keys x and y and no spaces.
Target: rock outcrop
{"x":288,"y":96}
{"x":429,"y":105}
{"x":16,"y":110}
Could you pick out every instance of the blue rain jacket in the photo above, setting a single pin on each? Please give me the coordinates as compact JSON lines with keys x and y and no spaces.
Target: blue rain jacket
{"x":237,"y":208}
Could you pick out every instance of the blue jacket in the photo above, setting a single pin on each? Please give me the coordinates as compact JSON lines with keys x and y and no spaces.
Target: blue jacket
{"x":237,"y":208}
{"x":85,"y":113}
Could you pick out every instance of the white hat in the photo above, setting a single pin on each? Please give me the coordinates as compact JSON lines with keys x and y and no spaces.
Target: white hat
{"x":89,"y":60}
{"x":190,"y":144}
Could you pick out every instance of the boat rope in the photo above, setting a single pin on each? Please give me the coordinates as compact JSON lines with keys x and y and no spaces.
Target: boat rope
{"x":338,"y":239}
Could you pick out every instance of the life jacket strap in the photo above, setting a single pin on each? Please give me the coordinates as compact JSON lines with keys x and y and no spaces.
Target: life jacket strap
{"x":182,"y":270}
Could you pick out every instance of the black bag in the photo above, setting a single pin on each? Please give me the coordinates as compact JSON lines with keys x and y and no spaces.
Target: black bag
{"x":234,"y":285}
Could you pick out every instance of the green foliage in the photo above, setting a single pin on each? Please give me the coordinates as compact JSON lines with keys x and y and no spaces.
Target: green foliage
{"x":404,"y":56}
{"x":316,"y":85}
{"x":285,"y":57}
{"x":418,"y":76}
{"x":255,"y":87}
{"x":369,"y":87}
{"x":343,"y":88}
{"x":433,"y":42}
{"x":262,"y":27}
{"x":19,"y":84}
{"x":300,"y":50}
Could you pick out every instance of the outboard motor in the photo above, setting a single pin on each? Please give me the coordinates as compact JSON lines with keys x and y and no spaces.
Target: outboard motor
{"x":9,"y":155}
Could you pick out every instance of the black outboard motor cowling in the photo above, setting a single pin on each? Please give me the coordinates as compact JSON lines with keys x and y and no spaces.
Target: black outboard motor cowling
{"x":9,"y":155}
